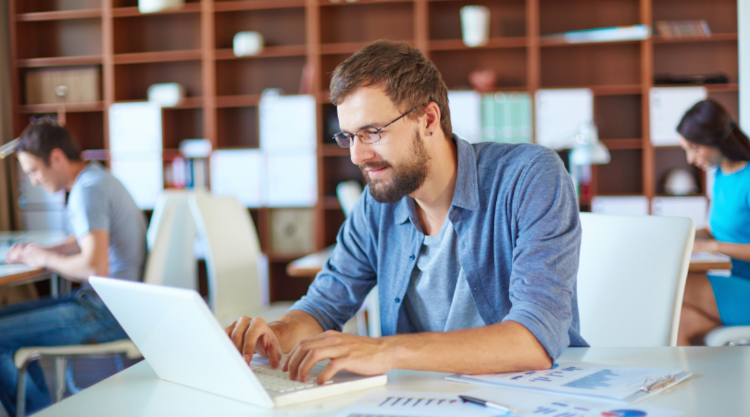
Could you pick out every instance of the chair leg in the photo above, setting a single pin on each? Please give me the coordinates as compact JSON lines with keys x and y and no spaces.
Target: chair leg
{"x":21,"y":389}
{"x":70,"y":381}
{"x":60,"y":365}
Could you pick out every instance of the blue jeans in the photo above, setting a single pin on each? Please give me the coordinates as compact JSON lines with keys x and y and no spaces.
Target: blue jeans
{"x":74,"y":319}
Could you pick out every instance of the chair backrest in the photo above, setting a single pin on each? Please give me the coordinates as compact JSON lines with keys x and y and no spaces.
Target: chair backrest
{"x":233,"y":257}
{"x":631,"y":278}
{"x":348,"y":193}
{"x":176,"y":259}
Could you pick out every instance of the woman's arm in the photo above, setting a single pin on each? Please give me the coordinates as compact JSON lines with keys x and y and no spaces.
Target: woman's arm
{"x":733,"y":250}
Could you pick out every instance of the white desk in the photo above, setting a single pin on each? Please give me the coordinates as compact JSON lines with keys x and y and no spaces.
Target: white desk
{"x":14,"y":274}
{"x":719,"y":387}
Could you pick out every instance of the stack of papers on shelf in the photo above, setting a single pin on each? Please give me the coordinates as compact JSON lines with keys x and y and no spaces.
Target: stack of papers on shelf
{"x":695,"y":207}
{"x":620,"y":383}
{"x":135,"y":147}
{"x":667,"y":106}
{"x":560,"y":114}
{"x":620,"y":205}
{"x":609,"y":34}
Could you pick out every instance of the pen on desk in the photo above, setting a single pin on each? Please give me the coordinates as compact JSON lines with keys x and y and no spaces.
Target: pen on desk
{"x":485,"y":403}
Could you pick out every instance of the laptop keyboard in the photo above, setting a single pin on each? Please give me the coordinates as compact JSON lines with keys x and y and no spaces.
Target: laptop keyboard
{"x":277,"y":380}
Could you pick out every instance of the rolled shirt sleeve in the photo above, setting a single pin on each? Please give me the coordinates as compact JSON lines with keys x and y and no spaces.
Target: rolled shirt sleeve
{"x":546,"y":254}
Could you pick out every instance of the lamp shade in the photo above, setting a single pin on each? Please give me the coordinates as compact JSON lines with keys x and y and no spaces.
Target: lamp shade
{"x":588,"y":150}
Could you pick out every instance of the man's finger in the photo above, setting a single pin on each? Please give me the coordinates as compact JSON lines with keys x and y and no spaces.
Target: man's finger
{"x":330,"y":370}
{"x":238,"y":332}
{"x":316,"y":355}
{"x":255,"y":331}
{"x":229,"y":328}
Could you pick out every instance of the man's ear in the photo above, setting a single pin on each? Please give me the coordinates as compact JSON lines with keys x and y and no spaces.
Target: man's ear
{"x":432,"y":125}
{"x":56,"y":157}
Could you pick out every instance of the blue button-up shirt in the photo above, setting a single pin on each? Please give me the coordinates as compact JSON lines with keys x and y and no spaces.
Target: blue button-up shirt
{"x":515,"y":213}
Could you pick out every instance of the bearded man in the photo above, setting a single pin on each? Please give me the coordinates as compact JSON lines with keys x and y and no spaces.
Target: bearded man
{"x":474,"y":247}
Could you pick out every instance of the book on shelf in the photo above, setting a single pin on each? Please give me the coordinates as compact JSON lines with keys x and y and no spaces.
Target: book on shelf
{"x":683,"y":28}
{"x":608,"y":34}
{"x":506,"y":118}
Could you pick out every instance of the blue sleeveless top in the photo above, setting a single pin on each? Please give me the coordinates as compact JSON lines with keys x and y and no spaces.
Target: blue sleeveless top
{"x":729,"y":216}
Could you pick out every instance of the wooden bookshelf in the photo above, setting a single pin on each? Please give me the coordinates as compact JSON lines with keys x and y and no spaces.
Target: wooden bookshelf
{"x":193,"y":46}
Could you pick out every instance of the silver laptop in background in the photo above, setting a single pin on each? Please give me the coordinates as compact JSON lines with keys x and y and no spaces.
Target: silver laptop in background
{"x":183,"y":342}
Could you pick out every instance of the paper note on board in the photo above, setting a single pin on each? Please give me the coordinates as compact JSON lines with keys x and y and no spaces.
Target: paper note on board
{"x":560,"y":114}
{"x":667,"y":105}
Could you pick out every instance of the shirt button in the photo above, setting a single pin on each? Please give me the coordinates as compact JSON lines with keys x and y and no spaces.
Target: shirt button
{"x":475,"y":288}
{"x":398,"y":300}
{"x":411,"y":257}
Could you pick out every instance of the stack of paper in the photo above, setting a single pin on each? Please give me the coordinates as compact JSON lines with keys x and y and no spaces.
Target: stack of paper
{"x":135,"y":145}
{"x":284,"y":171}
{"x":620,"y":205}
{"x":694,"y":207}
{"x":560,"y":114}
{"x":667,"y":106}
{"x":622,"y":383}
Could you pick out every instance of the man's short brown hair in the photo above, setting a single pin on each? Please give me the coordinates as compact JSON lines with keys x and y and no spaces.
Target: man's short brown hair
{"x":408,"y":77}
{"x":41,"y":138}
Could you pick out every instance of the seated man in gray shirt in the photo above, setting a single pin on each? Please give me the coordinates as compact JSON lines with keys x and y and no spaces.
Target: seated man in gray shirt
{"x":109,"y":239}
{"x":474,"y":248}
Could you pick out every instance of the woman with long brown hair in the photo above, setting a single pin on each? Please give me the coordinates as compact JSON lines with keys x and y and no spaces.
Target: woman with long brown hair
{"x":711,"y":138}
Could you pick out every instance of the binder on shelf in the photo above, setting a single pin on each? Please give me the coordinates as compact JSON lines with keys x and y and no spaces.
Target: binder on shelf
{"x":560,"y":114}
{"x":238,"y":173}
{"x":667,"y":105}
{"x":287,"y":122}
{"x":466,"y":114}
{"x":135,"y":148}
{"x":695,"y":207}
{"x":620,"y":205}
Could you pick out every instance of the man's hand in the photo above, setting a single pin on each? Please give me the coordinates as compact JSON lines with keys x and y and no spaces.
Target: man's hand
{"x":255,"y":336}
{"x":27,"y":253}
{"x":705,"y":245}
{"x":358,"y":354}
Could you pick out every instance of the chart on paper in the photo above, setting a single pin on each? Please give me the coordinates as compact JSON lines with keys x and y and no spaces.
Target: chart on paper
{"x":414,"y":404}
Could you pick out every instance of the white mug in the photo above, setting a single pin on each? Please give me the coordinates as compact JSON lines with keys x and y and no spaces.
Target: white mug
{"x":475,"y":25}
{"x":247,"y":43}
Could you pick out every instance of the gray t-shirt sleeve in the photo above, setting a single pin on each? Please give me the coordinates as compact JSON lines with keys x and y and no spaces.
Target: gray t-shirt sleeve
{"x":88,"y":211}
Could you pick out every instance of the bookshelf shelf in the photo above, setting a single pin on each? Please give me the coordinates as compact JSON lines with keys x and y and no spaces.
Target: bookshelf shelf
{"x":66,"y":107}
{"x":238,"y":101}
{"x":133,"y":11}
{"x":226,"y":6}
{"x":496,"y":43}
{"x":59,"y":15}
{"x":60,"y":61}
{"x":154,"y":57}
{"x":268,"y":52}
{"x":714,"y":37}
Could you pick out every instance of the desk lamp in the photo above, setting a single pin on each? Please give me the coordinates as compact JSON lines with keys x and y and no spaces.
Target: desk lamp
{"x":586,"y":151}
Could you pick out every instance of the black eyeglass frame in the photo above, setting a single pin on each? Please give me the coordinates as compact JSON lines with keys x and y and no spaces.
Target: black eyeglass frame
{"x":349,"y":137}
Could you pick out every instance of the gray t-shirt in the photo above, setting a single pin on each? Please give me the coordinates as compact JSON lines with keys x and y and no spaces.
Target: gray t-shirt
{"x":99,"y":201}
{"x":438,"y":281}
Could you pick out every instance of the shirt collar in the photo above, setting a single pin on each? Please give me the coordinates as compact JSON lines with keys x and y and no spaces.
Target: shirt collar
{"x":466,"y":194}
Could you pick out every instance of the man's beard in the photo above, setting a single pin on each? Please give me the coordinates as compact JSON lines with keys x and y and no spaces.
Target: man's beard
{"x":405,"y":178}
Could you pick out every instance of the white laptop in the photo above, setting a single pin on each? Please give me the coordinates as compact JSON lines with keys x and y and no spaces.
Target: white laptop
{"x":183,"y":342}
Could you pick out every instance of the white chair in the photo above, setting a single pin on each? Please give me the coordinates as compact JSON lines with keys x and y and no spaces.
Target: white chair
{"x":631,"y":279}
{"x":348,"y":193}
{"x":177,"y":266}
{"x":157,"y":266}
{"x":237,"y":270}
{"x":734,"y":293}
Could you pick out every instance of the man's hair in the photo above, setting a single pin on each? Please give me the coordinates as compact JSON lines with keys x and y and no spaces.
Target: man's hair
{"x":408,"y":77}
{"x":40,"y":139}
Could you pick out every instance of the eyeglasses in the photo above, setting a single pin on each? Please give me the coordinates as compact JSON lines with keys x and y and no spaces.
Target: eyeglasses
{"x":368,"y":135}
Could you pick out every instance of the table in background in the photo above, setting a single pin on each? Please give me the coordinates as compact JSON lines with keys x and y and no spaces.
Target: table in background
{"x":15,"y":274}
{"x":718,"y":387}
{"x":310,"y":265}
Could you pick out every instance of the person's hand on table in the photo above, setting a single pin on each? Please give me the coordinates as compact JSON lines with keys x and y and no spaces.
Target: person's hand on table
{"x":27,"y":253}
{"x":705,"y":245}
{"x":348,"y":352}
{"x":255,"y":336}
